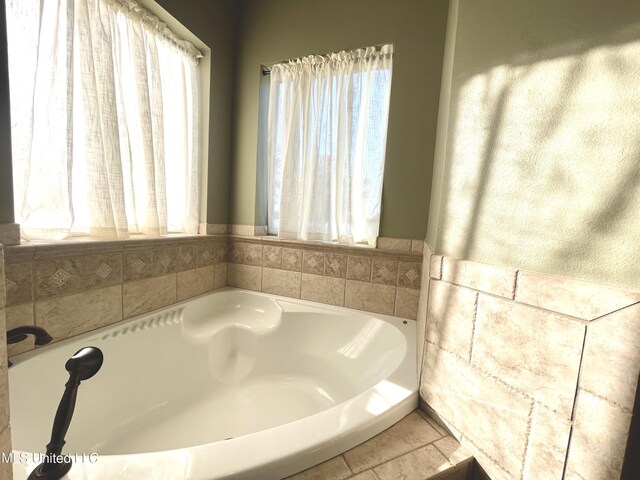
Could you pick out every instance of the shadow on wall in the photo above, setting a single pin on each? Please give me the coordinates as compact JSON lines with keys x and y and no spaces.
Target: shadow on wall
{"x":543,"y":155}
{"x":542,"y":170}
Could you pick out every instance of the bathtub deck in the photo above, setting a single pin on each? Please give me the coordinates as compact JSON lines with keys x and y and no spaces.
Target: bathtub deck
{"x":415,"y":448}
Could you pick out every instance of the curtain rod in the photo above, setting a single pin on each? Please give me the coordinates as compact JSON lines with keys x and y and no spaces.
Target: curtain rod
{"x":266,"y":70}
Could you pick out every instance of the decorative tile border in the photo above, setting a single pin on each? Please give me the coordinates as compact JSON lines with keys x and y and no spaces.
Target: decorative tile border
{"x":374,"y":280}
{"x":518,"y":365}
{"x":40,"y":277}
{"x":118,"y":278}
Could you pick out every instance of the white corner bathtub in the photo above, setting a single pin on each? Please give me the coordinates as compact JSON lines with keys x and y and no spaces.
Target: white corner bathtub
{"x":231,"y":384}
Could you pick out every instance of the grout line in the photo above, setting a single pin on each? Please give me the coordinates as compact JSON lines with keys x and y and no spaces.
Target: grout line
{"x":601,"y":317}
{"x":391,"y":459}
{"x":579,"y":320}
{"x":496,"y":379}
{"x":473,"y":326}
{"x":526,"y":458}
{"x":482,"y":451}
{"x":515,"y":285}
{"x":344,"y":460}
{"x":611,"y":402}
{"x":575,"y":404}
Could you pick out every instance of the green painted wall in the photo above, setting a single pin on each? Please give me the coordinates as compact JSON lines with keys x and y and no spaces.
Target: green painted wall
{"x":273,"y":30}
{"x":214,"y":22}
{"x":541,"y":164}
{"x":6,"y":180}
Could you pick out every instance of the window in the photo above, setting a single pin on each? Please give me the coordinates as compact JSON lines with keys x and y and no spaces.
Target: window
{"x":104,"y":111}
{"x":326,"y":140}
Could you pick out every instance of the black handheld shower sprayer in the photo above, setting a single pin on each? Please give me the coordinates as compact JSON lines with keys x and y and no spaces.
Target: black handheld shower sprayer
{"x":83,"y":365}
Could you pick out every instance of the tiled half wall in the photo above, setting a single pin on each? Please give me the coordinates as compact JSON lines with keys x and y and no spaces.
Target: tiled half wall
{"x":5,"y":429}
{"x":377,"y":280}
{"x":535,"y":374}
{"x":77,"y":287}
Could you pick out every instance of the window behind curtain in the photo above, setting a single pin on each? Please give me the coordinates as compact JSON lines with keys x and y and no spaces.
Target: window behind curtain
{"x":327,"y":130}
{"x":104,"y":108}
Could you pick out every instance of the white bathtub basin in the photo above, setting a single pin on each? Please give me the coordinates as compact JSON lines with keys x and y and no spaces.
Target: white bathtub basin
{"x":232,"y":384}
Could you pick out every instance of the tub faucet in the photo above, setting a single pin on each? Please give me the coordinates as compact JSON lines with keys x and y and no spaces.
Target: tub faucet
{"x":19,"y":334}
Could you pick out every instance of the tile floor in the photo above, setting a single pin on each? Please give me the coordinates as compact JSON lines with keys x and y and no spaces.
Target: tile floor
{"x":415,"y":448}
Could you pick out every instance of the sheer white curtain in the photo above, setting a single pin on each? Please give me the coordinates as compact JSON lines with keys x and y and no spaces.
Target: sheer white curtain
{"x":326,"y":140}
{"x":104,"y":108}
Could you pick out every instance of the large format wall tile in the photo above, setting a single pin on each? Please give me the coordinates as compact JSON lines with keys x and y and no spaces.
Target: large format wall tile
{"x":194,"y":282}
{"x":527,"y":341}
{"x":244,"y":276}
{"x":571,"y":297}
{"x":611,"y":362}
{"x":75,"y":314}
{"x":145,"y":295}
{"x":486,"y":278}
{"x":547,"y":446}
{"x":450,"y":317}
{"x":598,"y":441}
{"x":220,"y":278}
{"x":491,"y":415}
{"x":532,"y":350}
{"x":370,"y":297}
{"x":435,"y":266}
{"x":323,"y":289}
{"x":281,"y":282}
{"x":406,"y":305}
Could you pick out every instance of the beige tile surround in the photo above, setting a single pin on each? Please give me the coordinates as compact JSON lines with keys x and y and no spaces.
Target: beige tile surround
{"x":76,"y":287}
{"x":374,"y":280}
{"x":6,"y":471}
{"x":415,"y":448}
{"x":535,"y":374}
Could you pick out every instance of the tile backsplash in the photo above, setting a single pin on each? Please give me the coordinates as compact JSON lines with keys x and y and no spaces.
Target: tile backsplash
{"x":71,"y":288}
{"x":375,"y":280}
{"x":76,"y":287}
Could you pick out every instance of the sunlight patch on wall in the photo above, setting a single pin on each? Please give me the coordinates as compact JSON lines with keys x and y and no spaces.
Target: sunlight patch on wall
{"x":544,"y":160}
